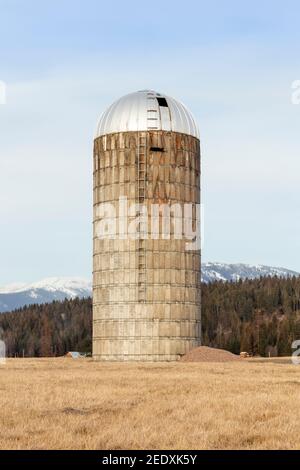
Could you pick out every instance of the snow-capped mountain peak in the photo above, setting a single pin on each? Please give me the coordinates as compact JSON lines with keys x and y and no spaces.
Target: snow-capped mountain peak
{"x":56,"y":288}
{"x":234,"y":272}
{"x":17,"y":295}
{"x":69,"y":285}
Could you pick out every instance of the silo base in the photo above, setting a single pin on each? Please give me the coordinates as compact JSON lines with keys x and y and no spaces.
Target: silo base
{"x":136,"y":358}
{"x":137,"y":350}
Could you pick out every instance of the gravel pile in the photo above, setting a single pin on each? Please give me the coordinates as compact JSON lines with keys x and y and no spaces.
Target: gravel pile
{"x":205,"y":354}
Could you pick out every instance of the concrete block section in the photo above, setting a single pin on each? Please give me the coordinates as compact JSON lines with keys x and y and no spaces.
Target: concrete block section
{"x":146,"y":292}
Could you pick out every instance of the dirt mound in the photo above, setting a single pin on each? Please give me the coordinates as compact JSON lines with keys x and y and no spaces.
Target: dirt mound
{"x":205,"y":354}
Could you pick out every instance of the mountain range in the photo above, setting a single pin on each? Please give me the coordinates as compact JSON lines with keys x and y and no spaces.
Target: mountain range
{"x":17,"y":295}
{"x":234,"y":272}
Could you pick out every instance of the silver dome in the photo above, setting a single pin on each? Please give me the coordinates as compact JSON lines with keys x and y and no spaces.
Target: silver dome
{"x":147,"y":110}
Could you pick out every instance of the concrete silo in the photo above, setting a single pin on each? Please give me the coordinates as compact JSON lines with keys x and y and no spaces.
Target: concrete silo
{"x":146,"y":286}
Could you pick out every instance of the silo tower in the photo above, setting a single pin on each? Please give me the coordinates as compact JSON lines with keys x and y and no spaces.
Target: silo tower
{"x":146,"y":281}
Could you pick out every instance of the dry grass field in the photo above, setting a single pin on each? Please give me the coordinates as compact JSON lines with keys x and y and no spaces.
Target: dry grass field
{"x":80,"y":404}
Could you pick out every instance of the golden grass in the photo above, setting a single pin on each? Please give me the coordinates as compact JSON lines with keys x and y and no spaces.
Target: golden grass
{"x":80,"y":404}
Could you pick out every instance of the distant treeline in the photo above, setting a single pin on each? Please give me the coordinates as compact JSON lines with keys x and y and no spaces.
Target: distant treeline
{"x":48,"y":330}
{"x":260,"y":316}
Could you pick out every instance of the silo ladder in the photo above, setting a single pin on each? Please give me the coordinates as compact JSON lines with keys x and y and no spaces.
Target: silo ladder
{"x":141,"y":242}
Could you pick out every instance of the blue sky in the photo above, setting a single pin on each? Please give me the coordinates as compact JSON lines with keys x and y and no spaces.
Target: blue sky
{"x":232,"y":63}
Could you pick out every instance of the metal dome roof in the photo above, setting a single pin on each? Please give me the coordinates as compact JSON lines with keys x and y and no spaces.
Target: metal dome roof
{"x":147,"y":110}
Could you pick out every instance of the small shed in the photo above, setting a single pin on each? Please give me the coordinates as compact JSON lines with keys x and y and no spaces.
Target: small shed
{"x":75,"y":355}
